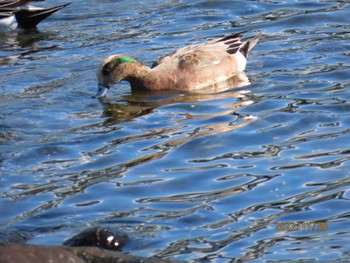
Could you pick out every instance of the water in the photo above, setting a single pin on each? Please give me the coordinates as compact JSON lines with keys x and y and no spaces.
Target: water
{"x":188,"y":177}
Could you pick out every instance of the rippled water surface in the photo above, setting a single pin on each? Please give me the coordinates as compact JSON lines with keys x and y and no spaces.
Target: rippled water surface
{"x":201,"y":177}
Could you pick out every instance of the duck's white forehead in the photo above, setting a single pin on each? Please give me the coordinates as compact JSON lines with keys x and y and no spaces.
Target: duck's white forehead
{"x":110,"y":58}
{"x":105,"y":61}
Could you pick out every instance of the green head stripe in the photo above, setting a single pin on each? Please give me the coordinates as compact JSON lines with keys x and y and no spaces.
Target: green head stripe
{"x":126,"y":59}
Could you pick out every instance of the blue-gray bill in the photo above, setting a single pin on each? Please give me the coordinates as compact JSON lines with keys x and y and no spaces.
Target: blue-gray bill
{"x":101,"y":91}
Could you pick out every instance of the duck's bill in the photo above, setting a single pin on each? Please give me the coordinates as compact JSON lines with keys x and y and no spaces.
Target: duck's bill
{"x":101,"y":91}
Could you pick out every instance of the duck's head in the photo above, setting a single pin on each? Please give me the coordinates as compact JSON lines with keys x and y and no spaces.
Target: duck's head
{"x":114,"y":69}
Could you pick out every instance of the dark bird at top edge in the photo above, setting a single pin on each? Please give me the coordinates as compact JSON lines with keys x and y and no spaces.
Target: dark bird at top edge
{"x":19,"y":14}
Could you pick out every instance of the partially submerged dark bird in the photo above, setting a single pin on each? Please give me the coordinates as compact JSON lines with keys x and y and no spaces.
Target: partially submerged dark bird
{"x":188,"y":69}
{"x":19,"y":14}
{"x":103,"y":237}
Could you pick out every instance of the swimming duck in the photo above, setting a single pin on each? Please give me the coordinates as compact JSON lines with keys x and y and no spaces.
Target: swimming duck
{"x":18,"y":14}
{"x":188,"y":69}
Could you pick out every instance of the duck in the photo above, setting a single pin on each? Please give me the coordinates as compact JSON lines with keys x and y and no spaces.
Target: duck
{"x":19,"y":14}
{"x":188,"y":69}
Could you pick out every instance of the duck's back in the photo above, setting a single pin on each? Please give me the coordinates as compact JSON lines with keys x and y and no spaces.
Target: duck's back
{"x":195,"y":67}
{"x":202,"y":65}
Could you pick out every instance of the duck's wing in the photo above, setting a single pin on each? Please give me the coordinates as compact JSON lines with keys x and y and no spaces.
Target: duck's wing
{"x":193,"y":58}
{"x":230,"y":43}
{"x":233,"y":43}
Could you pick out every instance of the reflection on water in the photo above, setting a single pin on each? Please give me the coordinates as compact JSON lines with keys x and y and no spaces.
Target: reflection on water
{"x":142,"y":103}
{"x":203,"y":177}
{"x":22,"y":44}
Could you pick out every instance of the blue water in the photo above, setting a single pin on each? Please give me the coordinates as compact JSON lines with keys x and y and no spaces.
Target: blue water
{"x":201,"y":177}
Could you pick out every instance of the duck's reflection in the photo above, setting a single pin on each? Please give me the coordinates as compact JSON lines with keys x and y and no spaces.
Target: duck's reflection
{"x":183,"y":125}
{"x":142,"y":103}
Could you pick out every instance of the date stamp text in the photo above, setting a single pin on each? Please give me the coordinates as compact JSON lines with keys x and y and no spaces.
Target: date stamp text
{"x":301,"y":226}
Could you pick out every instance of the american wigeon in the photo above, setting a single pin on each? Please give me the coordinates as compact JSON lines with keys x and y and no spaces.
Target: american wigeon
{"x":188,"y":69}
{"x":18,"y":14}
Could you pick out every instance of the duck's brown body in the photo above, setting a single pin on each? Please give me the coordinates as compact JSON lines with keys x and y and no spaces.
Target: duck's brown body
{"x":188,"y":69}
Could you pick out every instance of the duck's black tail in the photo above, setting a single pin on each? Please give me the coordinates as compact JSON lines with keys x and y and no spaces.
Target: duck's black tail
{"x":249,"y":44}
{"x":29,"y":18}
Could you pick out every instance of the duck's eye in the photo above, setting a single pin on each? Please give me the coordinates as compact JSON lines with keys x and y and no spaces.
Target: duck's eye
{"x":106,"y":69}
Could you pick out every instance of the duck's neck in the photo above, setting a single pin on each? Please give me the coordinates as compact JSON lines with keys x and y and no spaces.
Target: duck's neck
{"x":137,"y":76}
